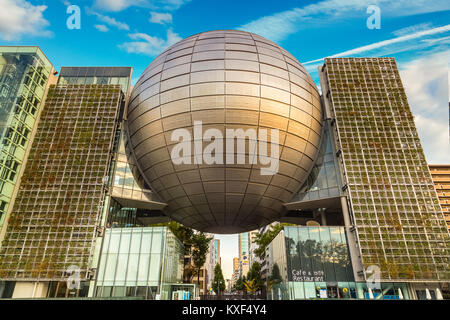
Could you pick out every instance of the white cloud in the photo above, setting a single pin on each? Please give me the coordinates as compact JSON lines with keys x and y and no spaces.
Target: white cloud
{"x":161,"y":18}
{"x":19,"y":17}
{"x":119,"y":5}
{"x":412,"y":29}
{"x":108,"y":20}
{"x":148,"y":45}
{"x":278,"y":26}
{"x":442,"y":40}
{"x":101,"y":28}
{"x":381,"y":44}
{"x":171,"y":4}
{"x":426,"y":83}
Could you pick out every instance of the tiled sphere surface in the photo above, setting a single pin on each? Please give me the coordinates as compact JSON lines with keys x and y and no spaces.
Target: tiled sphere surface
{"x":227,"y":80}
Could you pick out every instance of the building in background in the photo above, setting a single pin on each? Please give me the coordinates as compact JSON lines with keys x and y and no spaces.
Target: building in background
{"x":235,"y":273}
{"x":244,"y":251}
{"x":441,"y":178}
{"x":251,"y":255}
{"x":243,"y":244}
{"x":25,"y":73}
{"x":217,"y":257}
{"x":235,"y":264}
{"x":209,"y":265}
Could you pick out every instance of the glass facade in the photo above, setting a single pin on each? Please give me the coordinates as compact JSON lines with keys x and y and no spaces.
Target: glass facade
{"x":124,"y":183}
{"x":324,"y":179}
{"x":140,"y":261}
{"x":58,"y":209}
{"x":399,"y":223}
{"x":244,"y":244}
{"x":24,"y":75}
{"x":121,"y":217}
{"x":96,"y":75}
{"x":314,"y":263}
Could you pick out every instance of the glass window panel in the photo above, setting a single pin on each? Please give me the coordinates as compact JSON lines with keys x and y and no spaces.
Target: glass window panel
{"x":403,"y":288}
{"x":110,"y":271}
{"x":114,"y":80}
{"x":310,"y":290}
{"x":80,"y":80}
{"x":154,"y":268}
{"x":136,"y":241}
{"x":329,"y":254}
{"x":316,"y":248}
{"x":130,"y":291}
{"x":114,"y":243}
{"x":102,"y":80}
{"x":156,"y":242}
{"x":107,"y":291}
{"x":320,"y":286}
{"x":146,"y":242}
{"x":344,"y":290}
{"x":121,"y":269}
{"x":144,"y":266}
{"x":141,"y":291}
{"x":125,"y":241}
{"x":89,"y":80}
{"x":119,"y":292}
{"x":299,"y":292}
{"x":132,"y":272}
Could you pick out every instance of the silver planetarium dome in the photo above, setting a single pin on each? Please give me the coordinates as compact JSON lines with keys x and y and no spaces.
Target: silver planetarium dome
{"x":226,"y":79}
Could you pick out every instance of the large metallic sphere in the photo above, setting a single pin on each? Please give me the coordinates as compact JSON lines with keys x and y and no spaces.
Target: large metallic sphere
{"x":227,"y":80}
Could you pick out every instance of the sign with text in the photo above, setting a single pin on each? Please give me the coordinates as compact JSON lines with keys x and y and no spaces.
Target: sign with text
{"x":308,"y":275}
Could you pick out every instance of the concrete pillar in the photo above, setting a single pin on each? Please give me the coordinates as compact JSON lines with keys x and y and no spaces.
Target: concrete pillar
{"x":323,"y":217}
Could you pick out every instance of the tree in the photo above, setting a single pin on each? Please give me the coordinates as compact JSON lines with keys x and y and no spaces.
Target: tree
{"x":184,"y":234}
{"x":218,"y":284}
{"x":200,"y":246}
{"x":195,"y":246}
{"x":254,"y":274}
{"x":264,"y":239}
{"x":275,"y":277}
{"x":239,"y":285}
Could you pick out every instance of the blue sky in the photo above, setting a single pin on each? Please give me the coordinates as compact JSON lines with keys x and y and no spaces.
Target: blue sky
{"x":133,"y":32}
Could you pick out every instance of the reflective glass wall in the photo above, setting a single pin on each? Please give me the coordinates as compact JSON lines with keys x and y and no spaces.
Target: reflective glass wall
{"x":124,"y":183}
{"x":24,"y":75}
{"x":318,"y":260}
{"x":96,"y":75}
{"x":324,"y":180}
{"x":139,"y":262}
{"x":314,"y":263}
